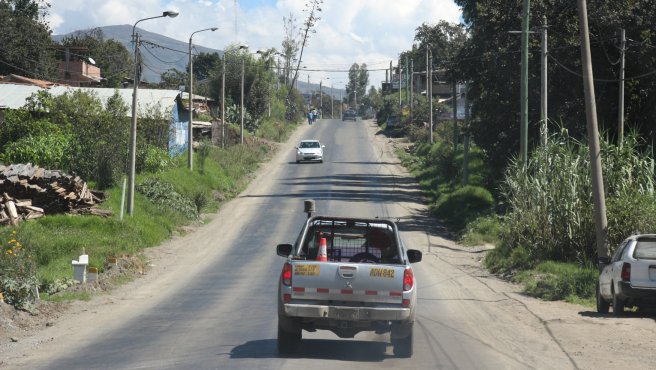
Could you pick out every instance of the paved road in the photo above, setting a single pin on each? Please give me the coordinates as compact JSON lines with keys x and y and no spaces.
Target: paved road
{"x":209,"y":302}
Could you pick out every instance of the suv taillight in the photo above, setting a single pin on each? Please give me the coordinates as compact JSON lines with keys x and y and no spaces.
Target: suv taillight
{"x":626,"y":271}
{"x":408,"y":280}
{"x":286,"y":276}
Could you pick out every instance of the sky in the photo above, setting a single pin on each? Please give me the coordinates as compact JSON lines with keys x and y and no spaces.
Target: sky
{"x":374,"y":32}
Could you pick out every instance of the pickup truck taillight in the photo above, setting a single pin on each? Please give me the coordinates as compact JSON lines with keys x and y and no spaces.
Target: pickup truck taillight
{"x":626,"y":272}
{"x":286,"y":276}
{"x":408,"y":280}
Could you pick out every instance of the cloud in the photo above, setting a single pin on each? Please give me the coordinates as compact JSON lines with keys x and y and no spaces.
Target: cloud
{"x":350,"y":31}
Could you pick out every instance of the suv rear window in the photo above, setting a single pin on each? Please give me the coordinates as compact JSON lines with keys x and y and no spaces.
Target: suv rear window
{"x":646,"y":249}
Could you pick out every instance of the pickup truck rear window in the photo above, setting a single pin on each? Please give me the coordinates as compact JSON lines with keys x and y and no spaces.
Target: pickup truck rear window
{"x":352,"y":244}
{"x":646,"y":250}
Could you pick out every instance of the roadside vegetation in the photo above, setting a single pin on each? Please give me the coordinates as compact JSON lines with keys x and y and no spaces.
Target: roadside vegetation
{"x":77,"y":134}
{"x":540,"y":218}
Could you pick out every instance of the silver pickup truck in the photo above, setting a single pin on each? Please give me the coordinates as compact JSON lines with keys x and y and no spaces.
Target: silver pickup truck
{"x":347,"y":275}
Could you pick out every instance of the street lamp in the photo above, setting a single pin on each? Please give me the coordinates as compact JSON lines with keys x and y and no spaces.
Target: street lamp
{"x":241,"y":129}
{"x":133,"y":128}
{"x":190,"y":136}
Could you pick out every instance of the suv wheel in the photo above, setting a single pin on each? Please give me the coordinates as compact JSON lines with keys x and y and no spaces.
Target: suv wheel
{"x":602,"y":305}
{"x":618,"y":304}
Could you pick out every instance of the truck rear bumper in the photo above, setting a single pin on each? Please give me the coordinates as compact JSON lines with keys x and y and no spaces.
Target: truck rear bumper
{"x":347,"y":313}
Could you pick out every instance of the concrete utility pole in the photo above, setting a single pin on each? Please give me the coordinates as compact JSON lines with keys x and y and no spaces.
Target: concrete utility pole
{"x":223,"y":121}
{"x":455,"y":116}
{"x":543,"y":87}
{"x":598,"y":196}
{"x":412,"y":87}
{"x":133,"y":125}
{"x":429,"y":88}
{"x":523,"y":131}
{"x":321,"y":99}
{"x":465,"y":144}
{"x":620,"y":105}
{"x":190,"y":127}
{"x":241,"y":128}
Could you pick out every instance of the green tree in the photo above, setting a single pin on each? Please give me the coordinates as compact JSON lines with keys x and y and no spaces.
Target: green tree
{"x":25,"y":40}
{"x":173,"y":79}
{"x":491,"y":60}
{"x":358,"y":79}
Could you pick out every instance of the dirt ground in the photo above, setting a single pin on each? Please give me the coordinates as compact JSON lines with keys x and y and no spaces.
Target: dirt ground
{"x":589,"y":340}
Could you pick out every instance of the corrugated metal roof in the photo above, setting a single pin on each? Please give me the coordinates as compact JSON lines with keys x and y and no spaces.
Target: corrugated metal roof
{"x":13,"y":96}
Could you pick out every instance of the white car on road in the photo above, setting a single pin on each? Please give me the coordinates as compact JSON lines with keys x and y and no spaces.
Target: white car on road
{"x":309,"y":150}
{"x":628,"y":278}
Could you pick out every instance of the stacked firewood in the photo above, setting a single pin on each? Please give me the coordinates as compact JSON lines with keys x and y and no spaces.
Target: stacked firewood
{"x":29,"y":191}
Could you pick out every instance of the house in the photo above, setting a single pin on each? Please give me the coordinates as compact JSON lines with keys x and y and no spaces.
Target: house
{"x":14,"y":96}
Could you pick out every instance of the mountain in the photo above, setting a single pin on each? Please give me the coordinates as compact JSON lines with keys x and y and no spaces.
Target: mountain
{"x":169,"y":53}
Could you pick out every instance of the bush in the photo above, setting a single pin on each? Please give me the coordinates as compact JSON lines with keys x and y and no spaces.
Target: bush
{"x":164,"y":195}
{"x":47,"y":151}
{"x":484,"y":229}
{"x":18,"y":281}
{"x":559,"y":281}
{"x":152,"y":159}
{"x":203,"y":152}
{"x":462,"y":206}
{"x":506,"y":260}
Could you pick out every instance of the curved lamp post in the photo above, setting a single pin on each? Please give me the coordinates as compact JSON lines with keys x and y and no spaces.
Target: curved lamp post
{"x":190,"y":136}
{"x":133,"y":128}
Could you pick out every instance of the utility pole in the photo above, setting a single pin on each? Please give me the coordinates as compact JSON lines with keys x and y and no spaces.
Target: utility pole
{"x":598,"y":196}
{"x":620,"y":106}
{"x":407,"y":88}
{"x":223,"y":122}
{"x":543,"y":86}
{"x":399,"y":78}
{"x":321,"y":98}
{"x":133,"y":126}
{"x":465,"y":144}
{"x":412,"y":87}
{"x":455,"y":115}
{"x":523,"y":131}
{"x":429,"y":88}
{"x":241,"y":128}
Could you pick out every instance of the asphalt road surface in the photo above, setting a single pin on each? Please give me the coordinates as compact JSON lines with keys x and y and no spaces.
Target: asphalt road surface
{"x":210,"y":300}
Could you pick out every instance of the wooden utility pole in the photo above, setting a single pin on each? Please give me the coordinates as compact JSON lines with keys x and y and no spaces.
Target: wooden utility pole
{"x":598,"y":196}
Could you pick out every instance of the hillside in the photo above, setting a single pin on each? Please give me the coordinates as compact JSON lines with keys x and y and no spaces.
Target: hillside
{"x":171,"y":53}
{"x":157,"y":60}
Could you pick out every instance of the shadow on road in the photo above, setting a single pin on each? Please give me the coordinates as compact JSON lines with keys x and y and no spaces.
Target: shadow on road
{"x":319,"y":349}
{"x":648,"y":314}
{"x":349,"y":187}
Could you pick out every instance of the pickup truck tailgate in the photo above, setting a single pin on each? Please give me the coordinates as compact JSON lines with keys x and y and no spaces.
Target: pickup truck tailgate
{"x":347,"y":282}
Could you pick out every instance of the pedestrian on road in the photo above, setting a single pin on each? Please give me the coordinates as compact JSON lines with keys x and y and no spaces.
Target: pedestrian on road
{"x":310,"y":117}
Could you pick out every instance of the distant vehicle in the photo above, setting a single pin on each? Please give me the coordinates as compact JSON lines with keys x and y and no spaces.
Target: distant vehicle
{"x":309,"y":150}
{"x":349,"y":115}
{"x":628,"y":278}
{"x":347,"y":275}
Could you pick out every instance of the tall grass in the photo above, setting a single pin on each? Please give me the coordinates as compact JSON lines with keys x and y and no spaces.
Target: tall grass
{"x":550,"y":206}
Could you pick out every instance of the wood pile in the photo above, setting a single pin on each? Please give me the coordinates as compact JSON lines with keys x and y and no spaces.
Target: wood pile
{"x":29,"y":192}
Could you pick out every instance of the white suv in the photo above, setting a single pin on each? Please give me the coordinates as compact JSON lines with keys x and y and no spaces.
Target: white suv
{"x":629,"y":277}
